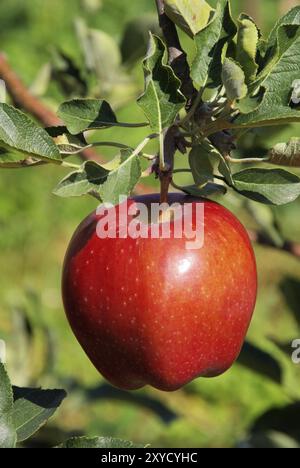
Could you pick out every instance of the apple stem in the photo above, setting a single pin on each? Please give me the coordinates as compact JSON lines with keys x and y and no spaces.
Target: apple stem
{"x":165,"y":171}
{"x":178,"y":61}
{"x":164,"y":188}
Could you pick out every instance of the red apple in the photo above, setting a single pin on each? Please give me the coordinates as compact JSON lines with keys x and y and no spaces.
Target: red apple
{"x":151,"y":311}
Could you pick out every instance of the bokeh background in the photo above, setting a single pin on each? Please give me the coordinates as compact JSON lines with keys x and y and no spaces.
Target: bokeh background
{"x":255,"y":403}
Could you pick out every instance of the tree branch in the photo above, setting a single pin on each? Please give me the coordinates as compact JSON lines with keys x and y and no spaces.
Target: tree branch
{"x":23,"y":99}
{"x":178,"y":62}
{"x":260,"y":238}
{"x":177,"y":56}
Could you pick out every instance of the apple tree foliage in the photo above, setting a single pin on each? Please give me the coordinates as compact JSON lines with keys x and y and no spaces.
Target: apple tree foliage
{"x":240,"y":80}
{"x":23,"y":411}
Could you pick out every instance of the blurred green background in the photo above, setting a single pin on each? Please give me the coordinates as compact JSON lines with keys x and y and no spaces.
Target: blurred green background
{"x":255,"y":403}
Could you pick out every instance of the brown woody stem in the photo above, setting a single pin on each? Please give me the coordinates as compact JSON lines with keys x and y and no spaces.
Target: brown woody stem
{"x":165,"y":174}
{"x":292,"y":248}
{"x":23,"y":99}
{"x":177,"y":56}
{"x":178,"y":61}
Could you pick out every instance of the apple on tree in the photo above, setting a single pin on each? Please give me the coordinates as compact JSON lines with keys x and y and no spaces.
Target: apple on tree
{"x":148,"y":310}
{"x":151,"y":311}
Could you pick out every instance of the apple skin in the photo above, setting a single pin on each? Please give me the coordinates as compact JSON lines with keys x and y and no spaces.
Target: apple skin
{"x":143,"y":319}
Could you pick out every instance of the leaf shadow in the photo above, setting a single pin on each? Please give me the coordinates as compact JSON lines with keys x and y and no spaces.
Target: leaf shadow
{"x":260,"y":362}
{"x":47,"y":399}
{"x":284,"y":420}
{"x":108,"y":392}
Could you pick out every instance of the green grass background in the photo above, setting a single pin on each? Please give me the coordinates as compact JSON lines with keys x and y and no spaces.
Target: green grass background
{"x":35,"y":228}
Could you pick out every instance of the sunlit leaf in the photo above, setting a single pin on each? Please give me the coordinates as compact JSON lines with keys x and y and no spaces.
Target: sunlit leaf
{"x":32,"y":409}
{"x":210,"y":43}
{"x":18,"y":133}
{"x":277,"y":77}
{"x":247,"y":41}
{"x":270,"y":186}
{"x":233,"y":79}
{"x":86,"y":114}
{"x":162,"y":99}
{"x":189,"y":15}
{"x":71,"y":144}
{"x":7,"y":431}
{"x":109,"y":185}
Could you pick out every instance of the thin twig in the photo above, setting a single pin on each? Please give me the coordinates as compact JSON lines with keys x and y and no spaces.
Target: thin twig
{"x":292,"y":248}
{"x":23,"y":99}
{"x":178,"y":61}
{"x":166,"y":174}
{"x":247,"y":160}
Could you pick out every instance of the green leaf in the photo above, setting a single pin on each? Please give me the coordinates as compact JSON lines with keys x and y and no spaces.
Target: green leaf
{"x":210,"y":43}
{"x":189,"y":15}
{"x":247,"y":41}
{"x":286,"y":154}
{"x":33,"y":408}
{"x":66,"y":73}
{"x":201,"y":163}
{"x":270,"y":186}
{"x":6,"y":394}
{"x":8,"y":435}
{"x":42,"y":81}
{"x":106,"y":55}
{"x":18,"y":133}
{"x":260,"y":362}
{"x":272,"y":440}
{"x":101,"y":52}
{"x":292,"y":17}
{"x":122,"y":180}
{"x":270,"y":49}
{"x":278,"y":78}
{"x":85,"y":181}
{"x":207,"y":190}
{"x":86,"y":114}
{"x":225,"y":169}
{"x":14,"y":162}
{"x":162,"y":99}
{"x":233,"y":79}
{"x":264,"y":216}
{"x":9,"y":159}
{"x":250,"y":103}
{"x":98,"y":442}
{"x":71,"y":144}
{"x":109,"y":185}
{"x":203,"y":159}
{"x":136,"y":37}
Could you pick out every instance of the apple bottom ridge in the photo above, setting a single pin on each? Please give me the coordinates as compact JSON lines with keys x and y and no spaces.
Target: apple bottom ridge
{"x":129,"y":378}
